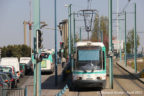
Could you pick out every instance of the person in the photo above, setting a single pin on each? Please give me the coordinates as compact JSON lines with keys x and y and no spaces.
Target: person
{"x":63,"y":62}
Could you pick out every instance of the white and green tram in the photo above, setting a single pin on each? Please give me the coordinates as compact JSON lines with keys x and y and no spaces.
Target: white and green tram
{"x":89,"y":67}
{"x":47,"y":64}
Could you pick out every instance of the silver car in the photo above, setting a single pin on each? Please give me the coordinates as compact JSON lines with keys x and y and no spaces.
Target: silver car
{"x":3,"y":87}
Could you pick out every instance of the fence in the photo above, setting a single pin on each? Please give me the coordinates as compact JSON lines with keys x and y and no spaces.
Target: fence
{"x":131,"y":56}
{"x":13,"y":92}
{"x":27,"y":91}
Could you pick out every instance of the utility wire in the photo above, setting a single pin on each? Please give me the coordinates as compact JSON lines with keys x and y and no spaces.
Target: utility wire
{"x":125,"y":7}
{"x":89,"y":4}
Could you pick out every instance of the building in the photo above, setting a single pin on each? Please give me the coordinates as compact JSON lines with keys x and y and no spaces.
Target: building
{"x":63,"y":27}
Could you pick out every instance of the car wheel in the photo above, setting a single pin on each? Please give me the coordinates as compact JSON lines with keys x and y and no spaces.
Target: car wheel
{"x":15,"y":85}
{"x":18,"y":81}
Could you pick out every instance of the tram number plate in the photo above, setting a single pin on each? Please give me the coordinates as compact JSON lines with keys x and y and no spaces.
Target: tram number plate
{"x":89,"y":78}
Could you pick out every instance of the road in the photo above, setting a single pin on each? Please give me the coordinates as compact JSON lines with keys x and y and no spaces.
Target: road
{"x":47,"y":83}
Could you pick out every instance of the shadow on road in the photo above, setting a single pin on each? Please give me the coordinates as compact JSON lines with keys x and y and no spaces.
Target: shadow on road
{"x":124,"y":77}
{"x":49,"y":83}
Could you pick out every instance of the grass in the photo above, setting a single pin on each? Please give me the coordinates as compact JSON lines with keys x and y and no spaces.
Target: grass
{"x":140,"y":65}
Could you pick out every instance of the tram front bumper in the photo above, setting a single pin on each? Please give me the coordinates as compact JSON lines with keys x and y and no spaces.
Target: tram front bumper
{"x":89,"y":83}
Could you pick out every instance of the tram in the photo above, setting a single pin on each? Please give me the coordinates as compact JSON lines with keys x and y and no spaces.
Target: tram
{"x":89,"y":67}
{"x":47,"y":64}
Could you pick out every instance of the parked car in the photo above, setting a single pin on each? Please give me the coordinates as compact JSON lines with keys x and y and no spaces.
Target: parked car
{"x":12,"y":61}
{"x":28,"y":64}
{"x":22,"y":70}
{"x":6,"y":79}
{"x":13,"y":79}
{"x":4,"y":68}
{"x":3,"y":87}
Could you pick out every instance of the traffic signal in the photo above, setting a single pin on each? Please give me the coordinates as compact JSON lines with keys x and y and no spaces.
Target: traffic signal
{"x":39,"y":39}
{"x":61,"y":45}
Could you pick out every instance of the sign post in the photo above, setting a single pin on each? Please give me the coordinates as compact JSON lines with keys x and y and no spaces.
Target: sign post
{"x":37,"y":71}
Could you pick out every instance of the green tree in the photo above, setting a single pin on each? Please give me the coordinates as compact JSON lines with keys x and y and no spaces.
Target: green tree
{"x":130,"y":41}
{"x":103,"y":28}
{"x":95,"y":31}
{"x":16,"y":51}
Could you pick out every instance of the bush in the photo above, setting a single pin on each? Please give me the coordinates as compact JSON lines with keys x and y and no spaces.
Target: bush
{"x":16,"y":51}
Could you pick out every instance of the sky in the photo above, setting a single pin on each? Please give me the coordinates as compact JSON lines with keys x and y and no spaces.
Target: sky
{"x":14,"y":12}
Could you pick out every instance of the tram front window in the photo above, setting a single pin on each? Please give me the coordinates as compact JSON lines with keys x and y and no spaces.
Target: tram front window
{"x":44,"y":55}
{"x":89,"y":59}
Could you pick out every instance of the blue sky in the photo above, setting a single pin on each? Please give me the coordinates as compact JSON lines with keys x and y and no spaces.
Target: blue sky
{"x":14,"y":12}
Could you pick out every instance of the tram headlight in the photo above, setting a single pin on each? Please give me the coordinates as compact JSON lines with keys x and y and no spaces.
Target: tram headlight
{"x":99,"y":78}
{"x":79,"y":78}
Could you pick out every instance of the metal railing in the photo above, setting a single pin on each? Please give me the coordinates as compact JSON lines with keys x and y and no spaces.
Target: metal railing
{"x":29,"y":90}
{"x":13,"y":92}
{"x":131,"y":56}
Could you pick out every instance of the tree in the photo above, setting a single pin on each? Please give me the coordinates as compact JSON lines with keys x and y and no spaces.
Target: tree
{"x":95,"y":31}
{"x":16,"y":51}
{"x":103,"y":28}
{"x":130,"y":41}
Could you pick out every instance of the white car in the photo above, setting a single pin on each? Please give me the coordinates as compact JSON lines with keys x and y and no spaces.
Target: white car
{"x":12,"y":61}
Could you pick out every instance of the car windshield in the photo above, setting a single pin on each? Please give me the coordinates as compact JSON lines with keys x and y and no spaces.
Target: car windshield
{"x":9,"y":75}
{"x":5,"y":69}
{"x":4,"y":76}
{"x":88,"y":59}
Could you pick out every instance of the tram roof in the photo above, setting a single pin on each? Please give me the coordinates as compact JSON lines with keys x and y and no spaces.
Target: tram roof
{"x":51,"y":51}
{"x":85,"y":43}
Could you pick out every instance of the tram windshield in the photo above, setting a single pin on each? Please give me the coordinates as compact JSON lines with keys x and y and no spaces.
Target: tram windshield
{"x":89,"y":59}
{"x":45,"y":55}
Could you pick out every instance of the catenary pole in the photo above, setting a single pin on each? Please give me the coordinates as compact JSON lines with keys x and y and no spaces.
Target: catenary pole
{"x":37,"y":81}
{"x":135,"y":39}
{"x":110,"y":44}
{"x":125,"y":42}
{"x":55,"y":24}
{"x":69,"y":31}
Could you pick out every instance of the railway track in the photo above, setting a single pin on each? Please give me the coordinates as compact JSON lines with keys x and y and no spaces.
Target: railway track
{"x":97,"y":93}
{"x":87,"y":93}
{"x":131,"y":80}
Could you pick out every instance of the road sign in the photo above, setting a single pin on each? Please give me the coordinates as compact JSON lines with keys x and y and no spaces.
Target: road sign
{"x":117,"y":44}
